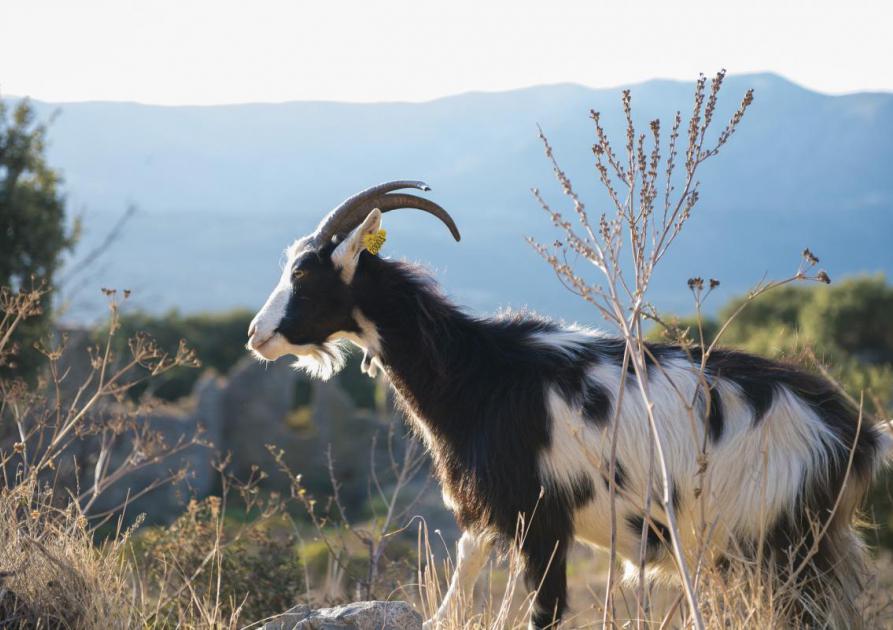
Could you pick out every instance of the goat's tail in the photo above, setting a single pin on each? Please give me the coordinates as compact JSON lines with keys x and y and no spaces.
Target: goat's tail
{"x":829,"y":566}
{"x":840,"y":582}
{"x":828,"y":571}
{"x":839,"y":567}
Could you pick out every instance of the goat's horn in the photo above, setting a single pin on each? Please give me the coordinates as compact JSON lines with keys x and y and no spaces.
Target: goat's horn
{"x":346,"y":216}
{"x":354,"y":209}
{"x":393,"y":201}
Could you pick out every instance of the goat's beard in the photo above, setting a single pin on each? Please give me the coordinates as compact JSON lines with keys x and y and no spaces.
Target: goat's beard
{"x":322,"y":361}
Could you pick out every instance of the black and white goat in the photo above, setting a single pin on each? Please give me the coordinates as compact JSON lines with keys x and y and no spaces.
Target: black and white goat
{"x":517,"y":413}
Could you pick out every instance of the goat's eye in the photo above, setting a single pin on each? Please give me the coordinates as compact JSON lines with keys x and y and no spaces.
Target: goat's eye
{"x":297,"y":274}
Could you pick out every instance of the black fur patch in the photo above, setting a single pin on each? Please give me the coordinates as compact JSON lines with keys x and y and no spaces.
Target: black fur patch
{"x":754,"y":375}
{"x":656,"y":539}
{"x":581,"y":491}
{"x":480,"y":388}
{"x":675,"y":497}
{"x":320,"y":303}
{"x":619,"y":475}
{"x":715,"y":418}
{"x":596,"y":403}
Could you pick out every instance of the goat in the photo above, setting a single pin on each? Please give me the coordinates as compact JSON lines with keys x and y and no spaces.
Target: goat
{"x":517,"y":413}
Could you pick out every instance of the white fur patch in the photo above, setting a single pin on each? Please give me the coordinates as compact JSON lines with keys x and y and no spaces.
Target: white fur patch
{"x":568,"y":340}
{"x":472,"y":552}
{"x":321,"y":362}
{"x":753,"y":474}
{"x":347,"y":254}
{"x":263,"y":342}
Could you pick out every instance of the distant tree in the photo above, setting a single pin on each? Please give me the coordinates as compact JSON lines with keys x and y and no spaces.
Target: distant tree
{"x":34,"y":233}
{"x":855,"y":314}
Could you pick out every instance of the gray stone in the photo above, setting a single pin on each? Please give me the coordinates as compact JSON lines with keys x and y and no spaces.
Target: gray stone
{"x":256,"y":400}
{"x":171,"y":423}
{"x":234,"y":416}
{"x":289,"y":619}
{"x":355,"y":616}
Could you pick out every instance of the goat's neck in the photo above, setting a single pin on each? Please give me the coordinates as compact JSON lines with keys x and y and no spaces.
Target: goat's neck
{"x":421,"y":340}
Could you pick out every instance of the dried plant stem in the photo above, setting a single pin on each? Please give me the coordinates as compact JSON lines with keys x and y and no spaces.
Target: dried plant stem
{"x":635,"y":223}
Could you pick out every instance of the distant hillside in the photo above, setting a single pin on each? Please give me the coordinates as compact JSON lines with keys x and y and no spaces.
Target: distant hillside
{"x":221,"y":190}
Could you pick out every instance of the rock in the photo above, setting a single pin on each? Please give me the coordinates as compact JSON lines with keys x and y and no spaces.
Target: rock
{"x":332,"y":409}
{"x":355,"y":616}
{"x":170,"y":424}
{"x":289,"y":619}
{"x":234,"y":416}
{"x":256,"y":400}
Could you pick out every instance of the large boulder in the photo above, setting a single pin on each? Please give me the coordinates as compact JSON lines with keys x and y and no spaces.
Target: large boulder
{"x":355,"y":616}
{"x":168,"y":425}
{"x":256,"y":400}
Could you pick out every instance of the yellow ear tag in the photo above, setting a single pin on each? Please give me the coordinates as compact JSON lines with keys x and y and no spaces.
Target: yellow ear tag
{"x":373,"y":242}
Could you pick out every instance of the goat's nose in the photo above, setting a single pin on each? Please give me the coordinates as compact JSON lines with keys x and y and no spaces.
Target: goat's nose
{"x":252,"y":329}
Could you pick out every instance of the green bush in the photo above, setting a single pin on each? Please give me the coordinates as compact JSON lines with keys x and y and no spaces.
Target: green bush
{"x":252,"y":566}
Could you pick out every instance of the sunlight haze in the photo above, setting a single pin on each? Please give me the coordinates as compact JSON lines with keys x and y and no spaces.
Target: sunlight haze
{"x":221,"y":51}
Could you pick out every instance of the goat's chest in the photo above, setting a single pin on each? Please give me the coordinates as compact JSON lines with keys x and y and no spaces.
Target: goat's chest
{"x":484,"y":484}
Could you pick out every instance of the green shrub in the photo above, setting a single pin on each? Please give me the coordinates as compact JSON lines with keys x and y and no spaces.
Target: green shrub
{"x":198,"y":563}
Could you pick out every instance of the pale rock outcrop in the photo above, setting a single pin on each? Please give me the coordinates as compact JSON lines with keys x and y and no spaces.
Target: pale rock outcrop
{"x":375,"y":615}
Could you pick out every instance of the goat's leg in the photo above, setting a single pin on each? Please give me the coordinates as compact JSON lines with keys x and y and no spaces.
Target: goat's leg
{"x":472,"y":553}
{"x":547,"y":572}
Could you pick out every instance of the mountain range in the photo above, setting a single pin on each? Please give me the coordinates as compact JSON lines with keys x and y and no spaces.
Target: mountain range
{"x":221,"y":190}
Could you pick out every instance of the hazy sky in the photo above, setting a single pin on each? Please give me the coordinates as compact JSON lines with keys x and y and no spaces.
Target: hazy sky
{"x":225,"y":51}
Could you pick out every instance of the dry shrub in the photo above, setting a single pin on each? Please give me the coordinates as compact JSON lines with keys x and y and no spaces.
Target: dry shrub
{"x":51,"y":573}
{"x":731,"y":596}
{"x":364,"y":557}
{"x":65,"y":440}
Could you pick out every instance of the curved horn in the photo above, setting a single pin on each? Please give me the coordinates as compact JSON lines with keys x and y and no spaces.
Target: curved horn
{"x":346,"y":215}
{"x":353,"y":210}
{"x":393,"y":201}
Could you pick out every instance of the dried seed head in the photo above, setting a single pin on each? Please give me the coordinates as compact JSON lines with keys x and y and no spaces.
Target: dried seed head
{"x":823,"y":276}
{"x":809,"y":257}
{"x":714,"y":283}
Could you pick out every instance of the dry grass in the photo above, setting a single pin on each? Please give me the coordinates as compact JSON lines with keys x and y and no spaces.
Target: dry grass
{"x":736,"y":597}
{"x":53,"y":575}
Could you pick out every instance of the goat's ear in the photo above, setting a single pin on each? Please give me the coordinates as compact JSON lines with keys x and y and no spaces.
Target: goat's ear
{"x":347,"y":254}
